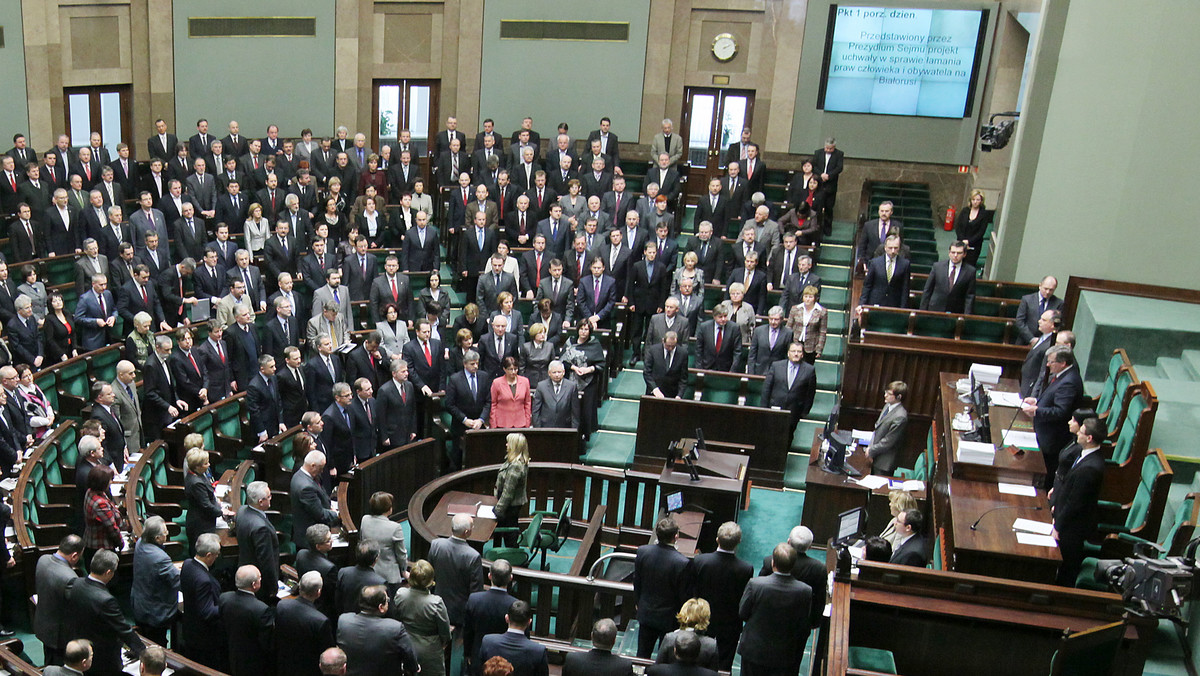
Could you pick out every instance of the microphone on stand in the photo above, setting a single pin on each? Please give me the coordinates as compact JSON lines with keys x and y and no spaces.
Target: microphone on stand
{"x":975,"y":526}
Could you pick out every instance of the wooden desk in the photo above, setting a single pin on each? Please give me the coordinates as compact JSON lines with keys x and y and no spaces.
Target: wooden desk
{"x":1027,"y":468}
{"x":827,"y":495}
{"x":439,"y":520}
{"x":722,"y":496}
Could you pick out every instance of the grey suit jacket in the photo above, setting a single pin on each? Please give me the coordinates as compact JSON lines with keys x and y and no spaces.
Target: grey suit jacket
{"x":762,"y":355}
{"x":53,"y":581}
{"x":458,"y":572}
{"x":776,"y":611}
{"x":888,"y":439}
{"x":129,"y":413}
{"x":375,"y":646}
{"x":658,"y":328}
{"x":659,"y":146}
{"x":389,"y":535}
{"x":325,"y":295}
{"x":552,"y":411}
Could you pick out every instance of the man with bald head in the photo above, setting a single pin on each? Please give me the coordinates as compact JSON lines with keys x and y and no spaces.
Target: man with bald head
{"x":249,"y":624}
{"x":458,"y":569}
{"x":310,"y":502}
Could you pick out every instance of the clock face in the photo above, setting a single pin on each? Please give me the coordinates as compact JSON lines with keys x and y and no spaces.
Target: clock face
{"x":724,"y":47}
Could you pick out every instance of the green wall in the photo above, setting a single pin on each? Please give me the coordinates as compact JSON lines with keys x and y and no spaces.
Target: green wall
{"x":576,"y":82}
{"x":1106,"y":150}
{"x":291,"y":77}
{"x":14,"y":107}
{"x":882,"y":137}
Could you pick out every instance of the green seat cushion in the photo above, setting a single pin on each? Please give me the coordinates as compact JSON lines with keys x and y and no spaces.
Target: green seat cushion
{"x":873,"y":659}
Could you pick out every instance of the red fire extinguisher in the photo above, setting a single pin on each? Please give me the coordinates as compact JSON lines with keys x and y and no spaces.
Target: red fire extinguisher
{"x":949,"y":224}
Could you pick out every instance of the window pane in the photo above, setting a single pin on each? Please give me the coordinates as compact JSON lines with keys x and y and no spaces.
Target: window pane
{"x":110,"y":121}
{"x":733,"y":120}
{"x":389,"y":113}
{"x":700,"y":131}
{"x":81,"y":119}
{"x":418,"y":117}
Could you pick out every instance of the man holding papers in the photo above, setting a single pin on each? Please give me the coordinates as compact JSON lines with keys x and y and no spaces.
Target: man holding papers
{"x":1073,"y":501}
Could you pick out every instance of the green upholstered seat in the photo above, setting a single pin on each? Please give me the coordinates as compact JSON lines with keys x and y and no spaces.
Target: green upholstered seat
{"x":935,"y":326}
{"x":1109,"y":390}
{"x":527,"y":543}
{"x":1123,"y":446}
{"x":872,"y":659}
{"x":885,"y":320}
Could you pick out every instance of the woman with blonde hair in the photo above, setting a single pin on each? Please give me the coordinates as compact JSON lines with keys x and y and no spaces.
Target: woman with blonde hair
{"x":536,"y":354}
{"x":970,"y":225}
{"x":203,"y":507}
{"x":424,"y":616}
{"x":693,"y":616}
{"x":257,"y":229}
{"x":510,"y":487}
{"x":690,"y":270}
{"x":898,"y":502}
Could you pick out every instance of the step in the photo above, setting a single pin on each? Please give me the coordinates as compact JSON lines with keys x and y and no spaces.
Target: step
{"x":629,"y":384}
{"x":1191,"y":359}
{"x":1175,"y":430}
{"x":835,"y":298}
{"x":836,"y":321}
{"x":823,"y":403}
{"x":1147,"y":372}
{"x":834,"y":254}
{"x":1174,"y":369}
{"x":796,"y":471}
{"x":610,"y":449}
{"x":831,"y":274}
{"x":829,"y":374}
{"x":619,"y":415}
{"x":834,"y":348}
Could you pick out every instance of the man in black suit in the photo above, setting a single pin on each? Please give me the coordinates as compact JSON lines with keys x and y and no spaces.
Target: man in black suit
{"x":828,"y":163}
{"x":714,"y":207}
{"x":912,"y":548}
{"x":281,"y":252}
{"x":1033,"y":305}
{"x":646,"y":290}
{"x":367,"y":361}
{"x":665,"y":371}
{"x":36,"y":191}
{"x":396,"y":406}
{"x":321,"y":372}
{"x":262,"y":400}
{"x":875,"y":232}
{"x":468,"y":399}
{"x":1051,"y":410}
{"x":662,"y":581}
{"x":808,"y":570}
{"x":242,"y":339}
{"x":93,"y":613}
{"x":425,"y":366}
{"x":315,"y":267}
{"x":198,"y":144}
{"x":374,"y":643}
{"x":802,"y":278}
{"x":163,"y":402}
{"x":28,"y":240}
{"x":494,"y":346}
{"x":293,"y":390}
{"x":338,"y":429}
{"x":485,"y":611}
{"x":11,"y":178}
{"x":527,"y":656}
{"x":186,"y":369}
{"x":600,"y":660}
{"x":24,"y":338}
{"x":609,"y":144}
{"x":249,"y":622}
{"x":719,"y":342}
{"x":887,"y":278}
{"x":209,"y":279}
{"x":282,"y":330}
{"x":162,"y":145}
{"x":721,"y":578}
{"x":103,"y":399}
{"x":364,"y":432}
{"x":476,"y":245}
{"x":791,"y":385}
{"x":951,"y":284}
{"x":359,"y":270}
{"x":316,"y":558}
{"x":769,"y":343}
{"x":1034,"y":367}
{"x":554,"y":229}
{"x":203,"y":632}
{"x":776,"y":610}
{"x":1074,"y":499}
{"x":305,"y":632}
{"x":213,"y":355}
{"x":139,"y":295}
{"x":258,"y":543}
{"x":708,"y":250}
{"x":421,"y":250}
{"x":232,"y":207}
{"x":752,"y":279}
{"x":686,"y":653}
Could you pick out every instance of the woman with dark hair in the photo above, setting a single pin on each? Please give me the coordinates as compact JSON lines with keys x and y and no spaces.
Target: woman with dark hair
{"x":374,"y":177}
{"x":35,"y":290}
{"x":394,"y":330}
{"x":102,"y":520}
{"x":512,"y":399}
{"x":585,"y":358}
{"x":332,"y":217}
{"x":373,"y":223}
{"x":544,"y":314}
{"x":434,"y":293}
{"x":388,"y":536}
{"x":58,"y":331}
{"x":809,"y":322}
{"x":34,"y":403}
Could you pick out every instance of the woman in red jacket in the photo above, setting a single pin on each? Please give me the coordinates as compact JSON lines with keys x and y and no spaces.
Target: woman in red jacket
{"x":512,"y":402}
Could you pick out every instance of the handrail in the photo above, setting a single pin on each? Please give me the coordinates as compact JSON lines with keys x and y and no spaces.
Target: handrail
{"x":131,"y":496}
{"x":611,"y":555}
{"x":20,"y":527}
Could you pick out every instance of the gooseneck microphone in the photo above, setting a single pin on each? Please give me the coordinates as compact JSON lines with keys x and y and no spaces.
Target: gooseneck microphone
{"x":975,"y":526}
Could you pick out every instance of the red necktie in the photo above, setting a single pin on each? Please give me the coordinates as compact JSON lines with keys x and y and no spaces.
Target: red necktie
{"x":372,"y":358}
{"x":522,"y":222}
{"x":579,"y":274}
{"x":220,"y":352}
{"x":466,"y":198}
{"x":87,"y":169}
{"x":720,"y":333}
{"x":428,"y":356}
{"x":539,"y":198}
{"x":538,"y":280}
{"x":395,"y":294}
{"x":13,"y":181}
{"x":403,"y":396}
{"x":145,"y":298}
{"x":194,"y":364}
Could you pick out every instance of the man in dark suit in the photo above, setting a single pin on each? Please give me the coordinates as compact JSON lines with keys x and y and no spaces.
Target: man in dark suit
{"x":421,"y":250}
{"x":162,"y":401}
{"x":600,"y":660}
{"x":55,"y":575}
{"x":911,"y":551}
{"x":28,"y":240}
{"x":281,"y":252}
{"x":310,"y":502}
{"x":617,"y":202}
{"x":776,"y":610}
{"x":162,"y":145}
{"x":769,"y":343}
{"x":114,"y":435}
{"x":36,"y":191}
{"x":213,"y":355}
{"x":527,"y":656}
{"x":338,"y":428}
{"x":828,"y":163}
{"x":887,"y":278}
{"x":24,"y":338}
{"x":752,"y":279}
{"x":249,"y":622}
{"x":714,"y":207}
{"x":646,"y":290}
{"x":315,"y":267}
{"x":875,"y":232}
{"x":708,"y":249}
{"x":719,"y":342}
{"x":457,"y":568}
{"x":190,"y":234}
{"x":598,"y":180}
{"x":1034,"y":367}
{"x":359,"y":270}
{"x":374,"y":643}
{"x":395,"y":406}
{"x":209,"y":278}
{"x":721,"y":578}
{"x":304,"y":630}
{"x":315,"y":558}
{"x":556,"y":400}
{"x":951,"y":284}
{"x":802,"y":278}
{"x":1033,"y":305}
{"x":293,"y":387}
{"x":93,"y":613}
{"x":258,"y":543}
{"x":321,"y":372}
{"x":203,"y":632}
{"x":1051,"y":410}
{"x":491,"y":285}
{"x":187,"y":372}
{"x":609,"y":144}
{"x":232,"y":207}
{"x":476,"y":245}
{"x":1074,"y":499}
{"x":391,"y":287}
{"x":425,"y":360}
{"x":555,"y":230}
{"x":468,"y":399}
{"x":665,"y":371}
{"x":364,"y":432}
{"x":791,"y":385}
{"x":262,"y":400}
{"x":242,"y":339}
{"x":618,"y":258}
{"x":485,"y":612}
{"x":890,"y":429}
{"x":556,"y":287}
{"x":61,"y":227}
{"x":139,"y":295}
{"x":198,"y":144}
{"x":367,"y":361}
{"x":235,"y":143}
{"x":808,"y":570}
{"x":282,"y":330}
{"x":662,"y":581}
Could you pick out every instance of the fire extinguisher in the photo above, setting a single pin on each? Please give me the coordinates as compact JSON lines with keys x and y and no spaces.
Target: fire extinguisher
{"x":949,"y":224}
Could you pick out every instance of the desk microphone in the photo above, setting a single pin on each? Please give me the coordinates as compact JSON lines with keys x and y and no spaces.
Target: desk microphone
{"x":975,"y":526}
{"x":1009,"y":429}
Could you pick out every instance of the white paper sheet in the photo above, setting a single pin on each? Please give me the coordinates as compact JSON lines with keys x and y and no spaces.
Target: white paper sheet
{"x":1021,"y":439}
{"x":485,"y":512}
{"x":1012,"y":399}
{"x":863,"y":436}
{"x":1017,"y":489}
{"x":1036,"y":540}
{"x":912,"y":485}
{"x":872,"y":482}
{"x":1031,"y":526}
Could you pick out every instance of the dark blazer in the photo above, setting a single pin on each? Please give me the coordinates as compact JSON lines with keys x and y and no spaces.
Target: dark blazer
{"x":730,"y":357}
{"x":418,"y":258}
{"x":205,"y":284}
{"x":596,"y":662}
{"x":459,"y":572}
{"x":314,"y":268}
{"x":250,"y":630}
{"x":712,"y":258}
{"x":586,"y":295}
{"x":485,"y":611}
{"x":311,"y":559}
{"x":218,"y":373}
{"x":62,"y":238}
{"x":337,"y":437}
{"x":24,"y":339}
{"x":262,"y":399}
{"x":647,"y":296}
{"x":868,"y":238}
{"x":114,"y":435}
{"x":278,"y":259}
{"x":154,"y":145}
{"x":720,"y":579}
{"x":396,"y":414}
{"x":490,"y":360}
{"x":811,"y":572}
{"x":203,"y":508}
{"x":420,"y":371}
{"x":528,"y":657}
{"x":53,"y":581}
{"x":776,"y":610}
{"x":1075,"y":498}
{"x":762,"y":355}
{"x":911,"y":553}
{"x":471,"y":258}
{"x":275,"y":338}
{"x":357,"y":279}
{"x":320,"y":382}
{"x":293,"y":393}
{"x":305,"y":633}
{"x":877,"y":290}
{"x":832,"y":167}
{"x":24,"y":248}
{"x":799,"y":398}
{"x":1058,"y":400}
{"x":310,"y":506}
{"x":363,"y":432}
{"x":358,"y":365}
{"x":258,"y":545}
{"x":1028,"y":314}
{"x":93,"y":613}
{"x":350,"y":582}
{"x":756,"y":293}
{"x":1034,"y":366}
{"x":461,"y":405}
{"x":662,"y":581}
{"x":939,"y":296}
{"x":203,"y":630}
{"x":718,"y":216}
{"x":793,"y":292}
{"x":243,"y":353}
{"x":670,"y":378}
{"x":375,"y":646}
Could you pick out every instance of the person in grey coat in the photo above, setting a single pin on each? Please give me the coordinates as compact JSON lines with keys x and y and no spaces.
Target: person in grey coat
{"x":457,"y":567}
{"x":775,"y":609}
{"x":556,"y":400}
{"x":53,"y":578}
{"x":889,"y":430}
{"x":155,"y":593}
{"x":424,"y":616}
{"x":374,"y":643}
{"x":310,"y":503}
{"x":388,"y":536}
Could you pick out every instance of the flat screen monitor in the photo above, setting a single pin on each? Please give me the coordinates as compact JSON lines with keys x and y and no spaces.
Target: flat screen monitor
{"x":902,"y":60}
{"x":674,"y":502}
{"x":851,"y":524}
{"x":831,"y":434}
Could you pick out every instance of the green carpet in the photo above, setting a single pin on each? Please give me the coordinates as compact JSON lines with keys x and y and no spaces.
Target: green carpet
{"x":771,"y":516}
{"x":610,"y":449}
{"x":628,"y":384}
{"x":619,"y":415}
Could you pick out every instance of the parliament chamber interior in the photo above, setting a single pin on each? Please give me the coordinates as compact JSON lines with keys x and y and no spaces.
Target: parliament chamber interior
{"x":829,"y":334}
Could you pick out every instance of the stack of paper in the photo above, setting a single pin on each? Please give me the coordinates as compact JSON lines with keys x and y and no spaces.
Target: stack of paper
{"x":976,"y":452}
{"x":1017,"y":489}
{"x":872,"y":482}
{"x":985,"y":373}
{"x":1036,"y":533}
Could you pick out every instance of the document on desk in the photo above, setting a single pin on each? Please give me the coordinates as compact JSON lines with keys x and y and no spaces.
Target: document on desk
{"x":1031,"y":526}
{"x":1017,"y":489}
{"x":1011,"y":399}
{"x":1021,"y":439}
{"x":486,"y":512}
{"x":1036,"y":540}
{"x":872,"y":482}
{"x":863,"y":437}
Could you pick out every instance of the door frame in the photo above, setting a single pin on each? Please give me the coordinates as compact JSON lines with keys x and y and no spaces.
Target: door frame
{"x":125,"y":96}
{"x":699,"y":177}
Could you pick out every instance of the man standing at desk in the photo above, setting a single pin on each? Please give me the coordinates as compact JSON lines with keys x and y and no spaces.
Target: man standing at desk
{"x":1074,"y":498}
{"x":1052,"y":409}
{"x":888,"y":438}
{"x":662,"y":581}
{"x":791,"y":385}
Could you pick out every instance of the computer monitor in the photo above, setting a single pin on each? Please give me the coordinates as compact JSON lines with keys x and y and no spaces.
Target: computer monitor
{"x":979,"y":398}
{"x":674,"y":502}
{"x":851,"y":524}
{"x":831,"y":433}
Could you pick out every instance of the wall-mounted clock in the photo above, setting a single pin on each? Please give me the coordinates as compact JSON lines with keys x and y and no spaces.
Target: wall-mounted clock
{"x":724,"y":47}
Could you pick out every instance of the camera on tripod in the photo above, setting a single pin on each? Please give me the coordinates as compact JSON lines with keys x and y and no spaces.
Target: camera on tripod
{"x":1149,"y":585}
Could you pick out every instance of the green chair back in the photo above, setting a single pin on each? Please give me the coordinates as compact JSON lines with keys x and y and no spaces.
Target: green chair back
{"x":1124,"y":444}
{"x":936,"y":326}
{"x":1105,"y":400}
{"x":1123,"y":383}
